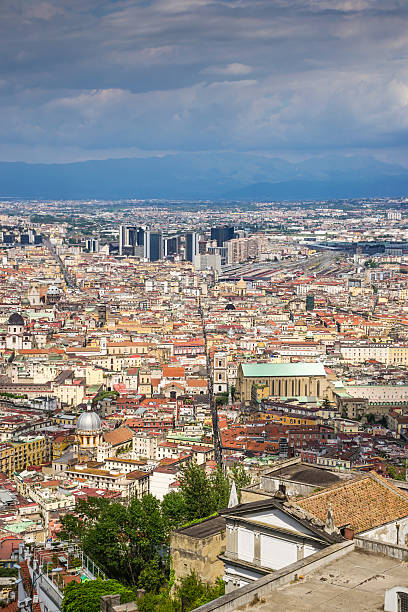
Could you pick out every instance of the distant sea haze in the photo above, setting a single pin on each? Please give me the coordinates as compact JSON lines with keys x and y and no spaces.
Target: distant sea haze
{"x":206,"y":176}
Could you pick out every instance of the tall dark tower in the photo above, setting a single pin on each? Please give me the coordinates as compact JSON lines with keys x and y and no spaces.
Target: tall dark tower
{"x":153,"y":246}
{"x":140,"y":236}
{"x":222,"y":234}
{"x":191,"y":246}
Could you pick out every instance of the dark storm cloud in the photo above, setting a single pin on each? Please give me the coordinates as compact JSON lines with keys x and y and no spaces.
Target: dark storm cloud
{"x":92,"y":77}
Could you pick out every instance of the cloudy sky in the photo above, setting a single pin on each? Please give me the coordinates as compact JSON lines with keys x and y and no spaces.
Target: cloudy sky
{"x":87,"y":79}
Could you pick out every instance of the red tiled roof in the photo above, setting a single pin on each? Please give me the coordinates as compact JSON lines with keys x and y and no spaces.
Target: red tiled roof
{"x":118,"y":436}
{"x":173,"y":372}
{"x":364,"y":503}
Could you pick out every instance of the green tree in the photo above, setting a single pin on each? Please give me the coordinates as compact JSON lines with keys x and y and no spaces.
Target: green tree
{"x":106,"y":542}
{"x":92,"y":508}
{"x":152,"y":577}
{"x":79,"y":597}
{"x":190,"y":593}
{"x":105,"y":395}
{"x":193,"y":592}
{"x":204,"y":495}
{"x":123,"y":540}
{"x":195,"y":488}
{"x":220,"y":490}
{"x":152,"y":602}
{"x":8,"y":572}
{"x":148,"y":530}
{"x":174,"y":509}
{"x":72,"y":528}
{"x":395,"y":472}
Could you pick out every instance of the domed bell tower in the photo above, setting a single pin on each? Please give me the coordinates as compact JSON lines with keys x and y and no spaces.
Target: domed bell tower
{"x":89,"y":430}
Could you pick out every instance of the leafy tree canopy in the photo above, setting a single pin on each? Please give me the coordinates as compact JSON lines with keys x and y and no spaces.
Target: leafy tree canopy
{"x":202,"y":495}
{"x":190,"y":593}
{"x":79,"y":597}
{"x":122,"y":540}
{"x":130,"y":543}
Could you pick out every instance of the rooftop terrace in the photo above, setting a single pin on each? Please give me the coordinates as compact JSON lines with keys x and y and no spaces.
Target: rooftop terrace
{"x":354,"y":582}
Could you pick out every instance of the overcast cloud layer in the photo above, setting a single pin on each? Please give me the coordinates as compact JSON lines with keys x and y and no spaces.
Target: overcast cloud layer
{"x":84,"y":79}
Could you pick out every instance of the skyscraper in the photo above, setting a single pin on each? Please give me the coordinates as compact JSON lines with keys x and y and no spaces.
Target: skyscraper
{"x":191,"y":246}
{"x":123,"y":238}
{"x":130,"y":237}
{"x":153,"y":246}
{"x":222,"y":234}
{"x":170,"y":246}
{"x":92,"y":245}
{"x":140,"y":236}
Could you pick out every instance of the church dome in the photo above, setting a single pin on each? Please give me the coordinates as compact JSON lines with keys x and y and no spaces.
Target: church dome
{"x":53,"y":290}
{"x":89,"y":421}
{"x":16,"y":319}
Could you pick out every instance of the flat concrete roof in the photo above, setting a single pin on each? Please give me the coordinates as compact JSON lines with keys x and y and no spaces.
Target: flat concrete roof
{"x":306,"y":474}
{"x":204,"y":529}
{"x":357,"y":581}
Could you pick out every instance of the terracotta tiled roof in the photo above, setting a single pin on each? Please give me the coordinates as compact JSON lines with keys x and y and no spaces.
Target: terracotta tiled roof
{"x":196,"y":382}
{"x":137,"y":475}
{"x":118,"y":436}
{"x":173,"y":372}
{"x":364,"y":503}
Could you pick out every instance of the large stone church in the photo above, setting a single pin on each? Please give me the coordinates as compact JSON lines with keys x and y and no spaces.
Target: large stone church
{"x":17,"y":337}
{"x":283,"y":380}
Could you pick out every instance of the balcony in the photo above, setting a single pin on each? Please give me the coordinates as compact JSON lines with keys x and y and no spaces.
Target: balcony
{"x":52,"y":567}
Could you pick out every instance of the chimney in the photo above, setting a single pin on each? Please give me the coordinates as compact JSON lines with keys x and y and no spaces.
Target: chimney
{"x":280,"y":493}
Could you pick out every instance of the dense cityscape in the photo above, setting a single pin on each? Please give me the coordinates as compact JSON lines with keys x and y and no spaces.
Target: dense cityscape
{"x":203,"y":306}
{"x":227,"y":381}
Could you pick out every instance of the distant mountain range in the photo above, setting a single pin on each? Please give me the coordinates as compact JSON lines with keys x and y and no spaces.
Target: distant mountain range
{"x":215,"y":176}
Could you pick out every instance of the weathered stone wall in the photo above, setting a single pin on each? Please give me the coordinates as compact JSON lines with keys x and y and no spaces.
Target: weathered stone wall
{"x":197,"y":554}
{"x":293,"y":488}
{"x":395,"y":532}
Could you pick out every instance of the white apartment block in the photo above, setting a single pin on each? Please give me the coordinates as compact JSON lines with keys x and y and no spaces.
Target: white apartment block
{"x":389,"y":354}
